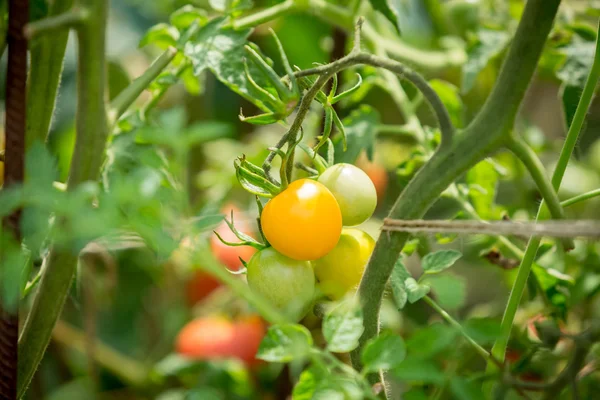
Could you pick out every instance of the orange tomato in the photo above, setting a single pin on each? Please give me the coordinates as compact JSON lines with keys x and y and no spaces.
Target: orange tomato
{"x":304,"y":222}
{"x":378,"y":175}
{"x":200,"y":286}
{"x":214,"y":337}
{"x":228,"y":255}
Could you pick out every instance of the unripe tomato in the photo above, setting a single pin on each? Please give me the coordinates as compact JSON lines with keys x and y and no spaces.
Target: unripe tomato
{"x":200,"y":286}
{"x":217,"y":337}
{"x":303,"y":222}
{"x":228,"y":255}
{"x":340,"y":271}
{"x":353,"y":190}
{"x":287,"y":284}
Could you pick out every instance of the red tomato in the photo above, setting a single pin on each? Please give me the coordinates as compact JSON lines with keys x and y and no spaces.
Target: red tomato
{"x":378,"y":175}
{"x":200,"y":286}
{"x":213,"y":338}
{"x":228,"y":255}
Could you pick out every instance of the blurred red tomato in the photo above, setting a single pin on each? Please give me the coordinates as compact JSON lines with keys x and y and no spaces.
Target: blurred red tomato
{"x":200,"y":286}
{"x":228,"y":255}
{"x":377,"y":173}
{"x":212,"y":338}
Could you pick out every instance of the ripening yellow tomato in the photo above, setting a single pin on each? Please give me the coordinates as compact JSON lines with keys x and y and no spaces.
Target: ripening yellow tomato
{"x":342,"y":268}
{"x":303,"y":222}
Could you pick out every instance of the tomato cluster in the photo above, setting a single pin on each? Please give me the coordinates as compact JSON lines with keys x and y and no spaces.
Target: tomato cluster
{"x":304,"y":226}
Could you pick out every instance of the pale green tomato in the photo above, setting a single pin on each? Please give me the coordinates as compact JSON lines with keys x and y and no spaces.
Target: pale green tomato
{"x":353,"y":190}
{"x":287,"y":284}
{"x":341,"y":270}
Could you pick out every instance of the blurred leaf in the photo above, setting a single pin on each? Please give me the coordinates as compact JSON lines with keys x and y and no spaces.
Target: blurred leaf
{"x":191,"y":82}
{"x":202,"y":132}
{"x":308,"y":382}
{"x":415,"y":291}
{"x":221,"y":50}
{"x":186,"y":15}
{"x":485,"y":176}
{"x":203,"y":394}
{"x":399,"y":276}
{"x":430,"y":340}
{"x":388,"y":9}
{"x":483,"y":330}
{"x":451,"y":98}
{"x":230,"y":6}
{"x":579,"y":56}
{"x":40,"y":167}
{"x":415,"y":394}
{"x":385,"y":352}
{"x":12,"y":266}
{"x":440,"y":260}
{"x":174,"y":365}
{"x":10,"y":199}
{"x":284,"y":343}
{"x":487,"y":45}
{"x":77,"y":389}
{"x":161,"y":35}
{"x":418,"y":370}
{"x":361,"y":130}
{"x":449,"y":290}
{"x":465,"y":390}
{"x":343,"y":326}
{"x":414,"y":22}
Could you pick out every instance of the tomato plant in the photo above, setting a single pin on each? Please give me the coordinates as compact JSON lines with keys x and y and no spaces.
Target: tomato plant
{"x":125,"y":163}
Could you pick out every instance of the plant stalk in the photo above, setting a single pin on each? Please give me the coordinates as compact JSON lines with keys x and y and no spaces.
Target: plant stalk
{"x":92,"y":132}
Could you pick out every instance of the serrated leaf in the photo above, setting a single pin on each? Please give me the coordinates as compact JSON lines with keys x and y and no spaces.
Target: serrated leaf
{"x":415,"y":291}
{"x":161,"y":35}
{"x":485,"y":176}
{"x":440,"y":260}
{"x":488,"y":45}
{"x":399,"y":276}
{"x":221,"y":50}
{"x":284,"y":343}
{"x":186,"y":15}
{"x":343,"y":326}
{"x":361,"y":131}
{"x":449,"y":290}
{"x":450,"y":96}
{"x":385,"y":352}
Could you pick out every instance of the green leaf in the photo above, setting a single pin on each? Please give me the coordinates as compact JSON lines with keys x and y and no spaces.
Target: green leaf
{"x":449,"y":290}
{"x":488,"y":45}
{"x":230,"y":6}
{"x":385,"y":351}
{"x":284,"y":343}
{"x":175,"y":365}
{"x":449,"y":95}
{"x":186,"y":16}
{"x":308,"y":382}
{"x":418,"y":370}
{"x":161,"y":35}
{"x":399,"y":275}
{"x":388,"y":11}
{"x":192,"y":83}
{"x":483,"y":330}
{"x":440,"y":260}
{"x":40,"y":167}
{"x":465,"y":390}
{"x":429,"y":341}
{"x":361,"y":130}
{"x":221,"y":50}
{"x":415,"y":291}
{"x":485,"y":176}
{"x":343,"y":326}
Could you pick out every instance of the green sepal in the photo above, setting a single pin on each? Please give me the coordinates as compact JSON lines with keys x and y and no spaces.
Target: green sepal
{"x":329,"y":111}
{"x":340,"y":127}
{"x":346,"y":93}
{"x":253,"y":182}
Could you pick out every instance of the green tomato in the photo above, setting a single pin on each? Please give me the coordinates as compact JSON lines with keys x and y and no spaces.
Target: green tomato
{"x":287,"y":284}
{"x":341,"y":270}
{"x":353,"y":190}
